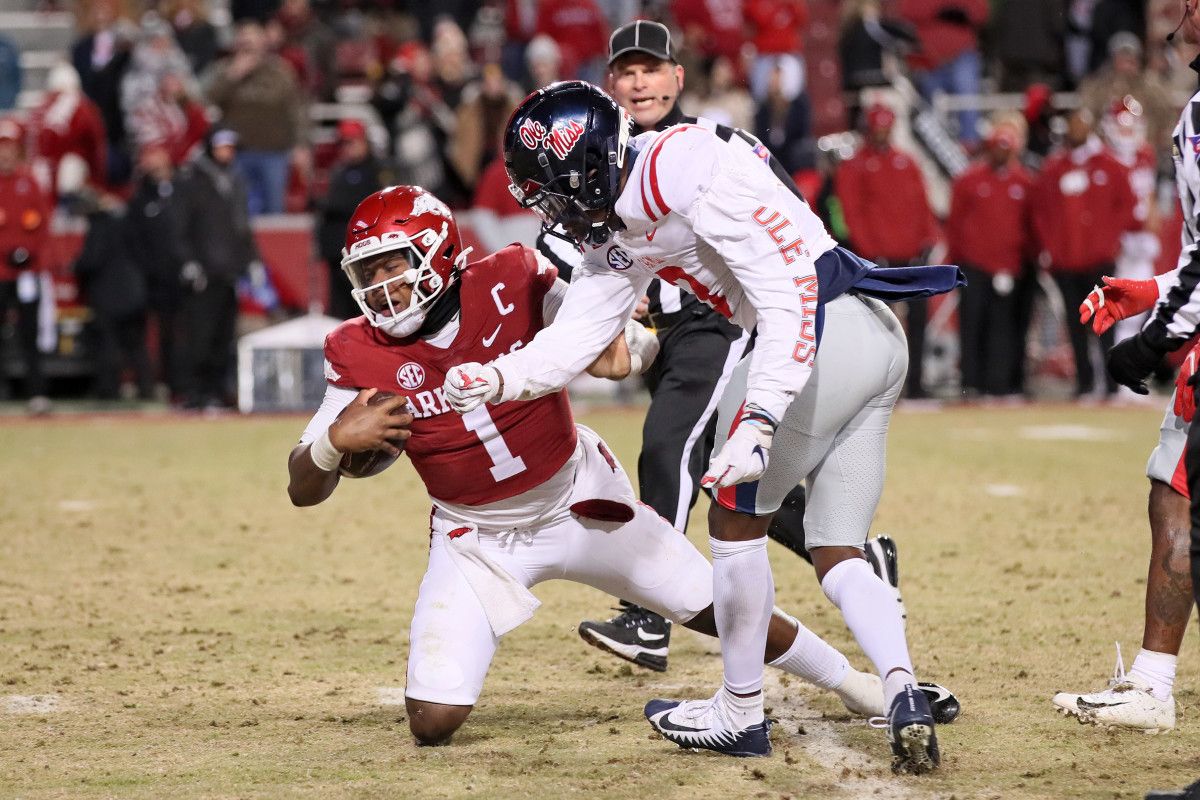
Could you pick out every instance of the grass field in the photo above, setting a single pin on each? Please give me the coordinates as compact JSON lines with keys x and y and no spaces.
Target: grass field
{"x":171,"y":627}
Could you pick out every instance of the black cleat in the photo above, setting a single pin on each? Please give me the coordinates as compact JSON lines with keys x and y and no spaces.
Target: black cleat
{"x":942,"y":702}
{"x":910,"y":730}
{"x":636,"y":634}
{"x":881,"y":554}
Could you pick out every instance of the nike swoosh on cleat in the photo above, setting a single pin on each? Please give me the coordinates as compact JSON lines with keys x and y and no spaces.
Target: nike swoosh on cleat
{"x":649,"y":637}
{"x":1084,"y":704}
{"x":487,"y":342}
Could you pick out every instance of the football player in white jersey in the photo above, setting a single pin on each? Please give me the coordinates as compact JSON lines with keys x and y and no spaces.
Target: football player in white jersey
{"x":708,"y":215}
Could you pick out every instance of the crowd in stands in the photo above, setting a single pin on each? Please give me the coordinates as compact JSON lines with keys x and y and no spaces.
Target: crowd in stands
{"x":170,"y":124}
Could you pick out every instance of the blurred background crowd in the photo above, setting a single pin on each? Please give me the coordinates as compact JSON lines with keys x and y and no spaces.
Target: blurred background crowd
{"x":175,"y":172}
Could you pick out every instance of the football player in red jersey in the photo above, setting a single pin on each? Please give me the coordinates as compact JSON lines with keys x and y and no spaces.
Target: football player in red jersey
{"x":520,"y":492}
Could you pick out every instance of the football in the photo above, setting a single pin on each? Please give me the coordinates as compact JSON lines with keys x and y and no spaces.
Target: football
{"x":371,"y":462}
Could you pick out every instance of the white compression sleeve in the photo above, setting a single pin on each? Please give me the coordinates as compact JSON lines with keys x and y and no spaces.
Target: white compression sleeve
{"x":743,"y":601}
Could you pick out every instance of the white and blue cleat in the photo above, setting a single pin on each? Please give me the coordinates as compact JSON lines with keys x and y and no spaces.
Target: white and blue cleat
{"x":700,"y":725}
{"x":910,"y":730}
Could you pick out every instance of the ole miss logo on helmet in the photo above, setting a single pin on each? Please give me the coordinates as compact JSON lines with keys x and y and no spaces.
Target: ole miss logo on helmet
{"x":560,"y":140}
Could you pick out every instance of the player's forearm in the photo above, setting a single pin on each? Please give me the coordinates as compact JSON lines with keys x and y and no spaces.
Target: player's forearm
{"x":546,"y":364}
{"x":780,"y":366}
{"x":308,"y":484}
{"x":1177,"y":315}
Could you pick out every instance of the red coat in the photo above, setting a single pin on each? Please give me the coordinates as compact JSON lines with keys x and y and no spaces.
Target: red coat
{"x":577,"y":25}
{"x":24,"y":219}
{"x":943,"y":41}
{"x":777,"y":25}
{"x":492,"y":191}
{"x":989,"y":225}
{"x":718,"y":22}
{"x":71,"y":123}
{"x":1081,"y":209}
{"x":884,"y":203}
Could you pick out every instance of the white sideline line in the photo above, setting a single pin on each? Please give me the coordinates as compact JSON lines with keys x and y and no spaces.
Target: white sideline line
{"x":867,"y":778}
{"x":390,"y":695}
{"x":1068,"y":433}
{"x":31,"y":704}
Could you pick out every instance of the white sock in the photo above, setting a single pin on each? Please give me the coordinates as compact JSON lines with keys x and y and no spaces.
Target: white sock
{"x":812,"y":658}
{"x":869,"y":607}
{"x":742,"y":711}
{"x":743,"y":601}
{"x":894,"y":684}
{"x":1156,"y":669}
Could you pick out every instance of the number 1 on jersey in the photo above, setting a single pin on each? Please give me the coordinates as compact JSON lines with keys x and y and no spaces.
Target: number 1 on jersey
{"x":504,"y":463}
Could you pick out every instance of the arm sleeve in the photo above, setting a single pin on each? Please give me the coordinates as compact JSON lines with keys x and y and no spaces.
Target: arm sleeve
{"x":553,"y":300}
{"x":1177,"y":316}
{"x":783,"y":295}
{"x":594,"y":309}
{"x":336,"y":398}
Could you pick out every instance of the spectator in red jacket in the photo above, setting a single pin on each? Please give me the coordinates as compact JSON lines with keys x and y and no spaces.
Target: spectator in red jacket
{"x":24,"y":232}
{"x":989,"y":235}
{"x":1082,"y":203}
{"x":581,"y":31}
{"x":777,"y":33}
{"x":68,"y":131}
{"x":888,"y":216}
{"x":711,"y":28}
{"x":948,"y":59}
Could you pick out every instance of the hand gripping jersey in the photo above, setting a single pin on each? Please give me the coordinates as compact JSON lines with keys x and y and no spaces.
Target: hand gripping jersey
{"x":495,"y":451}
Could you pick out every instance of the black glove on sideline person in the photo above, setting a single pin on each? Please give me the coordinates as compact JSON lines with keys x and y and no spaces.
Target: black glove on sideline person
{"x":18,"y":258}
{"x":1131,"y":360}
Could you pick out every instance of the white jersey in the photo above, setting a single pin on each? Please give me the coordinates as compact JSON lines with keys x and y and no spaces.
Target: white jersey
{"x":709,"y":216}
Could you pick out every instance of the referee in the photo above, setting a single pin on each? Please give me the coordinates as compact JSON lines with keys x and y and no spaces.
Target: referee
{"x":698,"y":351}
{"x":1177,"y":317}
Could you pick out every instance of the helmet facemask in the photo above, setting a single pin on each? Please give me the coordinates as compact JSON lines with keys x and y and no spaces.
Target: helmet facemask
{"x":427,"y":284}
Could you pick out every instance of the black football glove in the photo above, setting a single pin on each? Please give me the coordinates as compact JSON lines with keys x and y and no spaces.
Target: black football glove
{"x":1131,"y":360}
{"x":19,"y":257}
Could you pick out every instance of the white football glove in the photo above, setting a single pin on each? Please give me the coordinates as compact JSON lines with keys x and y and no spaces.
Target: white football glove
{"x":470,"y":385}
{"x":642,"y":345}
{"x":745,"y":454}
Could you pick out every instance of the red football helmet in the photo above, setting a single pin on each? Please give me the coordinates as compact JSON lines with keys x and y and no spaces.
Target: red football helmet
{"x":410,"y":222}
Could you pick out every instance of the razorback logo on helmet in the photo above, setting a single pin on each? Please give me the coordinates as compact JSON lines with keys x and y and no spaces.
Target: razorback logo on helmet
{"x":426,"y":203}
{"x":560,"y":140}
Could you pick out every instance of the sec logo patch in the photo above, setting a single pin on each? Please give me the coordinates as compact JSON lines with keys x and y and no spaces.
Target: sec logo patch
{"x":411,"y":375}
{"x":618,"y":259}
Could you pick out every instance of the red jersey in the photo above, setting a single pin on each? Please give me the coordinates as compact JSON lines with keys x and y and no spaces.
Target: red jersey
{"x":24,"y":220}
{"x":578,"y":26}
{"x":883,"y":199}
{"x":989,"y":227}
{"x":778,"y":25}
{"x":716,"y":24}
{"x":943,"y":40}
{"x":496,"y":451}
{"x":1081,"y":206}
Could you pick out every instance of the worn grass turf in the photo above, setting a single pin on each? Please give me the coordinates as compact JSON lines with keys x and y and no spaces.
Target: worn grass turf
{"x":171,"y":626}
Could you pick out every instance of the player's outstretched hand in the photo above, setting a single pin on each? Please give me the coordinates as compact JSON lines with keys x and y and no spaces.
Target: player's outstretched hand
{"x":1185,"y":385}
{"x":743,"y":457}
{"x":470,"y":385}
{"x":364,"y":425}
{"x":1115,"y":300}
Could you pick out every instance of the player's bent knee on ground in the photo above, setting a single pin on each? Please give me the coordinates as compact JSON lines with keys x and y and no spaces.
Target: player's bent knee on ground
{"x":433,"y":724}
